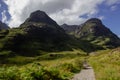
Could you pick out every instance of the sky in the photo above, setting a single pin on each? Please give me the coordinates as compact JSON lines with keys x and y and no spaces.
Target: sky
{"x":15,"y":12}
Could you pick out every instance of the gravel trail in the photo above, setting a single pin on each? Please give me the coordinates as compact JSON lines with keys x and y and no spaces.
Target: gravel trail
{"x":85,"y":74}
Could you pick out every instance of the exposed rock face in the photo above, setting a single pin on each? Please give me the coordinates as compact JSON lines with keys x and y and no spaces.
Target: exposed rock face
{"x":71,"y":29}
{"x":94,"y":26}
{"x":40,"y":17}
{"x":3,"y":26}
{"x":39,"y":24}
{"x":93,"y":30}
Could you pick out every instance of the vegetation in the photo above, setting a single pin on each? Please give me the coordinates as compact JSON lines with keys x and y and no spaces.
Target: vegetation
{"x":41,"y":50}
{"x":50,"y":66}
{"x":106,"y":64}
{"x":95,"y":32}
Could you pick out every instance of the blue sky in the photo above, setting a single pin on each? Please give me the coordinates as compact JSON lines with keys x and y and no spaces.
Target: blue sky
{"x":112,"y":17}
{"x":14,"y":12}
{"x":3,"y":7}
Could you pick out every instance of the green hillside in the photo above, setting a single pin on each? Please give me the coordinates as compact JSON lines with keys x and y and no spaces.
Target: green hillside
{"x":55,"y":66}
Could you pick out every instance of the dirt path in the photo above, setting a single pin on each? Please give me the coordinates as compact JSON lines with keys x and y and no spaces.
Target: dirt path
{"x":86,"y":74}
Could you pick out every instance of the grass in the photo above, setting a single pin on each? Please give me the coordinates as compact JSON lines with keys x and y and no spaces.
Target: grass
{"x":60,"y":65}
{"x":106,"y":64}
{"x":49,"y":66}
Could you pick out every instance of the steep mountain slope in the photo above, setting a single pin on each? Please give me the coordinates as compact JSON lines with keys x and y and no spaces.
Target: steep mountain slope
{"x":38,"y":32}
{"x":94,"y":31}
{"x":3,"y":26}
{"x":40,"y":17}
{"x":70,"y":29}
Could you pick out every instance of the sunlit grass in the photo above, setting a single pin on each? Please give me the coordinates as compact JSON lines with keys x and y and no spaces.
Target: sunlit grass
{"x":106,"y":64}
{"x":50,"y":66}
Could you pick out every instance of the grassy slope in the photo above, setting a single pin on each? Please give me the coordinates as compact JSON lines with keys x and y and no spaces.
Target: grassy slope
{"x":54,"y":66}
{"x":106,"y":64}
{"x":61,"y":65}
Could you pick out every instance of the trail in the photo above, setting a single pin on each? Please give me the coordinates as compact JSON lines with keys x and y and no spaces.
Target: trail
{"x":86,"y":74}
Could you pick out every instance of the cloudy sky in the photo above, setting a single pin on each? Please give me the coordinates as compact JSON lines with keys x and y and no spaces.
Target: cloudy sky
{"x":14,"y":12}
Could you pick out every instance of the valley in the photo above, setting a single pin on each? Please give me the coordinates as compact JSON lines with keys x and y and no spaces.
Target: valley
{"x":40,"y":49}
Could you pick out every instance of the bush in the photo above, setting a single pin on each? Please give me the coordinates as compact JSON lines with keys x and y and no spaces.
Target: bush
{"x":33,"y":72}
{"x":10,"y":73}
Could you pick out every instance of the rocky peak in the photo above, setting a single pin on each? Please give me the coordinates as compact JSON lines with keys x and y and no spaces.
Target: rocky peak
{"x":64,"y":24}
{"x":40,"y":17}
{"x":94,"y":26}
{"x":70,"y":29}
{"x":94,"y":20}
{"x":93,"y":30}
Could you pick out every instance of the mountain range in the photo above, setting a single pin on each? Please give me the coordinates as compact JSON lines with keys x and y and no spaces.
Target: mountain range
{"x":94,"y":31}
{"x":40,"y":33}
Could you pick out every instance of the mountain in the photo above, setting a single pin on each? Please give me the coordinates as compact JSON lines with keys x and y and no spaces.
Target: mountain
{"x":96,"y":32}
{"x":3,"y":26}
{"x":38,"y":33}
{"x":70,"y":29}
{"x":94,"y":26}
{"x":3,"y":30}
{"x":40,"y":17}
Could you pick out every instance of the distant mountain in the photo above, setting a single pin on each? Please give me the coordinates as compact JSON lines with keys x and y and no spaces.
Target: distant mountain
{"x":3,"y":26}
{"x":94,"y":26}
{"x":71,"y":29}
{"x":97,"y":33}
{"x":94,"y":31}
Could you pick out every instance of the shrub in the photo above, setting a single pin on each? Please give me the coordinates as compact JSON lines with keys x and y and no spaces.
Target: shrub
{"x":10,"y":73}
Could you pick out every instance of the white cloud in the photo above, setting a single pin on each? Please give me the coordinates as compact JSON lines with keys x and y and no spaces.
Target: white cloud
{"x":0,"y":5}
{"x":4,"y":18}
{"x":113,"y":8}
{"x":101,"y":17}
{"x":62,"y":11}
{"x":119,"y":36}
{"x":16,"y":8}
{"x":79,"y":8}
{"x":111,"y":2}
